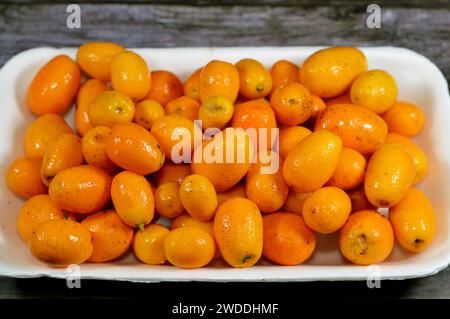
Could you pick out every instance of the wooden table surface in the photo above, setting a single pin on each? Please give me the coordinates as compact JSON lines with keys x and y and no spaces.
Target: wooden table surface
{"x":423,"y":26}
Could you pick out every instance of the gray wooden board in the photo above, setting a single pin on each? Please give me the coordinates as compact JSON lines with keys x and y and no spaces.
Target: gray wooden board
{"x":289,"y":3}
{"x":142,"y":25}
{"x":422,"y":26}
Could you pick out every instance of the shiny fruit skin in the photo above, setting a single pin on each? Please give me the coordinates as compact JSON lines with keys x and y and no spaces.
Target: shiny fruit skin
{"x":89,"y":90}
{"x":165,"y":87}
{"x":186,"y":220}
{"x":198,"y":197}
{"x":93,"y":146}
{"x":254,"y":80}
{"x":130,"y":75}
{"x":23,"y":177}
{"x":184,"y":106}
{"x":63,"y":152}
{"x":292,"y":104}
{"x":111,"y":238}
{"x":331,"y":71}
{"x":237,"y":190}
{"x":147,"y":112}
{"x":95,"y":58}
{"x":54,"y":87}
{"x":133,"y":148}
{"x":359,"y":199}
{"x":189,"y":247}
{"x":241,"y":101}
{"x":414,"y":221}
{"x":133,"y":198}
{"x":171,"y":172}
{"x":419,"y":157}
{"x":359,"y":128}
{"x":295,"y":201}
{"x":268,"y":191}
{"x":219,"y":78}
{"x":390,"y":174}
{"x":41,"y":131}
{"x":290,"y":137}
{"x":35,"y":211}
{"x":191,"y":87}
{"x":61,"y":243}
{"x":287,"y":240}
{"x":256,"y":115}
{"x":366,"y":238}
{"x":317,"y":106}
{"x":224,"y":174}
{"x":404,"y":118}
{"x":341,"y":99}
{"x":350,"y":170}
{"x":182,"y":128}
{"x":215,"y":112}
{"x":238,"y":230}
{"x":81,"y":189}
{"x":167,"y":200}
{"x":313,"y":161}
{"x":110,"y":108}
{"x":283,"y":72}
{"x":375,"y":90}
{"x":148,"y":244}
{"x":326,"y":209}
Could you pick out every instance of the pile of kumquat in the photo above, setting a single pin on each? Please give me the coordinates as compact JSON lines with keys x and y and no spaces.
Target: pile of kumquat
{"x":283,"y":154}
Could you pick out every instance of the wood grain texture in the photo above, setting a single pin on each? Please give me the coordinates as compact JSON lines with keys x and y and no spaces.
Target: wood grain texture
{"x":291,"y":3}
{"x":137,"y":25}
{"x":419,"y":25}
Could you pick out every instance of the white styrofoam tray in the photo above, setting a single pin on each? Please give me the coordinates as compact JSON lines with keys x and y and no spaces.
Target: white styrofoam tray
{"x":419,"y":81}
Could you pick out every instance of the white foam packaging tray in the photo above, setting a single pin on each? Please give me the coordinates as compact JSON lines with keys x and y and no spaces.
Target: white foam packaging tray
{"x":419,"y":81}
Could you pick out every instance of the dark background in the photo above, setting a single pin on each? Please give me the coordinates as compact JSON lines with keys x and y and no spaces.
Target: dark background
{"x":423,"y":26}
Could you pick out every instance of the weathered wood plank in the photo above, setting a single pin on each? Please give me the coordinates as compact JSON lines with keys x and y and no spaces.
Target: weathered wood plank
{"x":26,"y":26}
